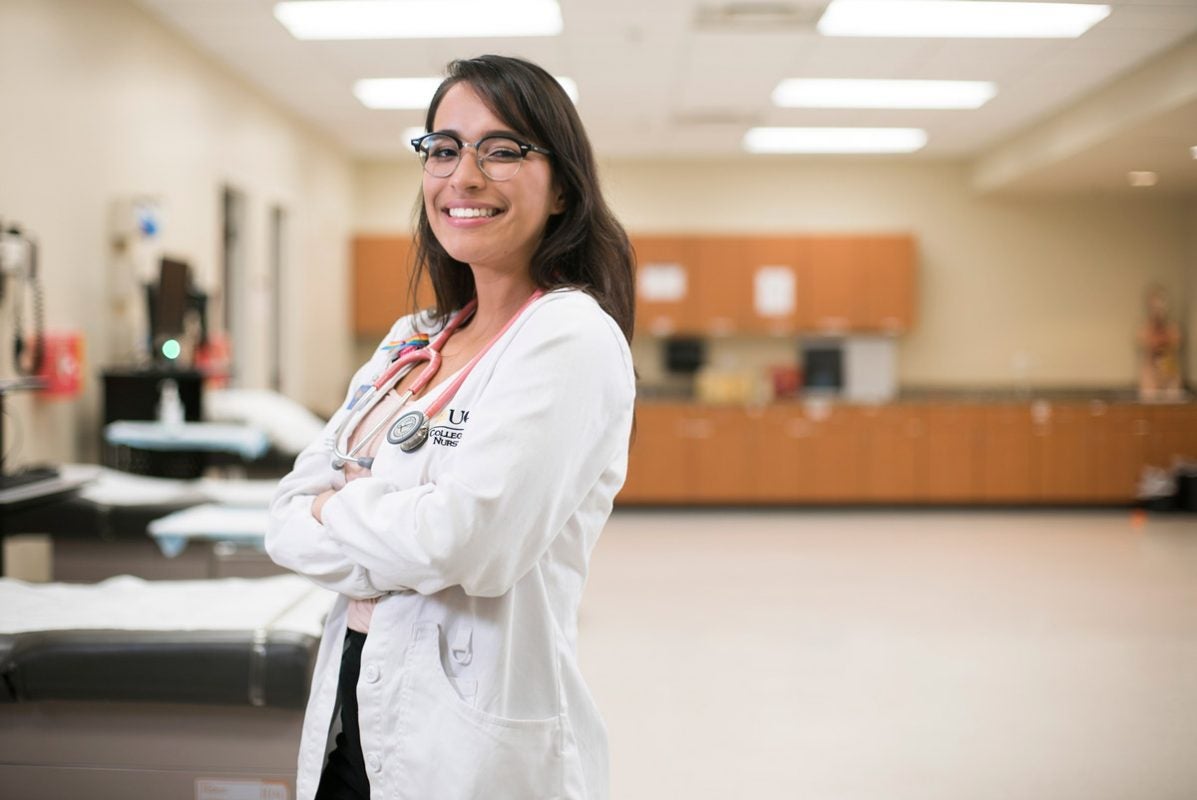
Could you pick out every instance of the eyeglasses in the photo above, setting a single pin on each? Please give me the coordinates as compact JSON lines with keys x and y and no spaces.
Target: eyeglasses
{"x":499,"y":157}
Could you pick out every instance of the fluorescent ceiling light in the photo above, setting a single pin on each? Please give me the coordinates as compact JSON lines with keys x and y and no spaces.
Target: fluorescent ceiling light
{"x":837,"y":93}
{"x":418,"y":19}
{"x":834,"y":140}
{"x":960,"y":18}
{"x":416,"y":93}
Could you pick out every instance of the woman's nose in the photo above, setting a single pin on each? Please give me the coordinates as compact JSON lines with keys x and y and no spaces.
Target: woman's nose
{"x":468,"y":173}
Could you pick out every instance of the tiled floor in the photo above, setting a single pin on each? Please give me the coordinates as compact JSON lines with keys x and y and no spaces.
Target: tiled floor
{"x":896,"y":655}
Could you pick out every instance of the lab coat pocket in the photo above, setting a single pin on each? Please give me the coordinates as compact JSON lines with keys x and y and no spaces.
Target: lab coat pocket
{"x":451,"y":750}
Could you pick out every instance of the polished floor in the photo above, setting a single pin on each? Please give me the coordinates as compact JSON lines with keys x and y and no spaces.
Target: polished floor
{"x":833,"y":655}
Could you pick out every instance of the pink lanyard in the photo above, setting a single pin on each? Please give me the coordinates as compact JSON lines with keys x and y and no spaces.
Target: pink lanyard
{"x":411,"y":429}
{"x":431,"y":354}
{"x":442,"y":400}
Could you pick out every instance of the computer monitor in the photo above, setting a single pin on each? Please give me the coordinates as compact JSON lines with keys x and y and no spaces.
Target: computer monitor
{"x":168,"y":300}
{"x":171,"y":301}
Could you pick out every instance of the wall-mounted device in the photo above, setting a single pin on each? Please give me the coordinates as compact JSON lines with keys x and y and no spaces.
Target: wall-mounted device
{"x":168,"y":301}
{"x":18,"y":274}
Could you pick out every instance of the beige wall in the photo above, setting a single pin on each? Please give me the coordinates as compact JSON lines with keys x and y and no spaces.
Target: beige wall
{"x":101,"y":102}
{"x":1014,"y":291}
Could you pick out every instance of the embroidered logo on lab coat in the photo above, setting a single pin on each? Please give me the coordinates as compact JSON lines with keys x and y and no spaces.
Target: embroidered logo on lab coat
{"x":449,"y":429}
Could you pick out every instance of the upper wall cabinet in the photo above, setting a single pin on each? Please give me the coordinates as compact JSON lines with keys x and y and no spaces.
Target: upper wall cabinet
{"x":665,"y":284}
{"x":715,"y":285}
{"x":382,"y":267}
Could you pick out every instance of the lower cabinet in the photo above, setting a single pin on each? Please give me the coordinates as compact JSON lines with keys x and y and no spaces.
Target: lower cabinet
{"x":830,"y":453}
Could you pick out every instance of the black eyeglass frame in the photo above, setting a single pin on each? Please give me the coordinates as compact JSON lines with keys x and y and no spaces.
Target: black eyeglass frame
{"x":524,"y":147}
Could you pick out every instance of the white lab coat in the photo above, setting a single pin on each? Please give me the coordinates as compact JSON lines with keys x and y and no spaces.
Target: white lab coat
{"x":480,"y":541}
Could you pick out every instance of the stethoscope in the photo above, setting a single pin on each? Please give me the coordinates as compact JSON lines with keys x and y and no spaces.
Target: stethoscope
{"x":410,"y":430}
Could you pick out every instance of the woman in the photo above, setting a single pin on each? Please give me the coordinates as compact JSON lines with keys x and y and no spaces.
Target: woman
{"x":458,"y":512}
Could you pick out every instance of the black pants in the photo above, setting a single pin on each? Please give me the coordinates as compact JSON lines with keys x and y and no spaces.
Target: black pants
{"x":344,"y":776}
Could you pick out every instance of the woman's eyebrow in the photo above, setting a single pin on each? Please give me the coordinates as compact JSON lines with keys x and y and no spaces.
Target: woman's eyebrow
{"x":508,"y":134}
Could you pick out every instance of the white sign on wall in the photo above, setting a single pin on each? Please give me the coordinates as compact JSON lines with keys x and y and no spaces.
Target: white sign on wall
{"x":775,"y":291}
{"x":661,"y":283}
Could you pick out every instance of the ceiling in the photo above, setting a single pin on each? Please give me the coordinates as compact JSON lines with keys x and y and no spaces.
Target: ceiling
{"x":660,"y":79}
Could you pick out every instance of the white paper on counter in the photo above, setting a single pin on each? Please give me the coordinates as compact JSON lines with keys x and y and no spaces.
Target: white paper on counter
{"x":776,"y":291}
{"x":662,"y":283}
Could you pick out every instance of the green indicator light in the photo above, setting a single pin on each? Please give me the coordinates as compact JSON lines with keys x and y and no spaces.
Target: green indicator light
{"x":171,"y":349}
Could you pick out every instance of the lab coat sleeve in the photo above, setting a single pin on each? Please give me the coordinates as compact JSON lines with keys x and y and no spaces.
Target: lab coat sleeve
{"x":294,"y":539}
{"x":554,"y":415}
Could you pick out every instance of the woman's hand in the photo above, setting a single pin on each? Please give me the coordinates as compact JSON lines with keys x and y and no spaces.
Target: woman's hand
{"x":318,"y":503}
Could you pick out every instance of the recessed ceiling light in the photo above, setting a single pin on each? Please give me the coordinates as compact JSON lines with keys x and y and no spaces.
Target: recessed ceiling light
{"x":418,"y":19}
{"x":840,"y":93}
{"x":1193,"y":151}
{"x":416,"y":93}
{"x":834,"y":140}
{"x":956,"y":18}
{"x":1142,"y":178}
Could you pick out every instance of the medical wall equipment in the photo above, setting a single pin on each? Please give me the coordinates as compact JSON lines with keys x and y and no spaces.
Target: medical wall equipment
{"x":134,"y":226}
{"x":410,"y":430}
{"x":18,"y":260}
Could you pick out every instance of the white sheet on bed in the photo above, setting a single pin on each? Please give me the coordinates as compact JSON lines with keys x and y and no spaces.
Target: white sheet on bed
{"x":211,"y":522}
{"x":112,"y":487}
{"x":281,"y":602}
{"x":289,"y":426}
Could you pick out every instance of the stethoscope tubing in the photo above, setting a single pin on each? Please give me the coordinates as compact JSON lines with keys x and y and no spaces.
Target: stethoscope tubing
{"x":393,"y":374}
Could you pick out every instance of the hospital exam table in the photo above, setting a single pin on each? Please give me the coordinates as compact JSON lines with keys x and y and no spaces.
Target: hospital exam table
{"x":106,"y":527}
{"x":187,"y":690}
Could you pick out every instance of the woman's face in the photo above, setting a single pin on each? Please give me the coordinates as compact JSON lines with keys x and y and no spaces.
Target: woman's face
{"x":483,"y":222}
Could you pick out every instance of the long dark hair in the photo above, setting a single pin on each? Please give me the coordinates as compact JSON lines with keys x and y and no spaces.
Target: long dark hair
{"x":583,"y":247}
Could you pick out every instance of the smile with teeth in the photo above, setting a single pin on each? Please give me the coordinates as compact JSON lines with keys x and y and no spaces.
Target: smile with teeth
{"x":467,"y":213}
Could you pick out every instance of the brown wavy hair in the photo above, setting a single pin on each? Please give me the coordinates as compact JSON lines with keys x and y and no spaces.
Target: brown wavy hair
{"x":584,"y":247}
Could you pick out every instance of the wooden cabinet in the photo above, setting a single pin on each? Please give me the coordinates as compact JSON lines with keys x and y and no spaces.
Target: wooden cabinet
{"x":665,"y":284}
{"x":1119,"y":439}
{"x":837,"y":286}
{"x":1173,"y":434}
{"x":889,"y":294}
{"x":382,"y":268}
{"x":895,"y":454}
{"x":839,"y":283}
{"x":836,"y":452}
{"x":818,"y":453}
{"x":778,"y":282}
{"x":1063,"y":451}
{"x":781,"y":445}
{"x":1005,"y":455}
{"x":953,"y":453}
{"x":719,"y":456}
{"x":723,"y":290}
{"x":658,"y":457}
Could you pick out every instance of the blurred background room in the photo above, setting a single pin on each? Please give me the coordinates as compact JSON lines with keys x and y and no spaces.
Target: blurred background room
{"x":911,"y":507}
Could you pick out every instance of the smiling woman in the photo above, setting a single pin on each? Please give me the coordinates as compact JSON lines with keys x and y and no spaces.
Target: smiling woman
{"x":583,"y":245}
{"x":454,"y":505}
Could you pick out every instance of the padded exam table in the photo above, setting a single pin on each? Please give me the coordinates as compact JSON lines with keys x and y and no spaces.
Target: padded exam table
{"x":187,"y":690}
{"x":108,"y":527}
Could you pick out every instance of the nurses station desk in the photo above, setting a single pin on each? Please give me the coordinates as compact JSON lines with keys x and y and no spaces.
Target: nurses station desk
{"x":155,"y":689}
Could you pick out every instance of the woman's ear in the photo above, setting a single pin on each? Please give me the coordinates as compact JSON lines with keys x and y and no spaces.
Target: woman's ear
{"x":558,"y":201}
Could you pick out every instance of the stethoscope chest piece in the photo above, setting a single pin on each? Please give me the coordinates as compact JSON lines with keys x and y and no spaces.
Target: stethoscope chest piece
{"x":407,"y":428}
{"x":416,"y":440}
